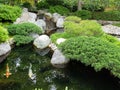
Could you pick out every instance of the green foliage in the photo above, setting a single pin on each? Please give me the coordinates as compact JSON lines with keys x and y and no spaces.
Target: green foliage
{"x":93,"y":51}
{"x":65,"y":35}
{"x":3,"y":34}
{"x":42,"y":5}
{"x":111,"y":39}
{"x":84,"y":14}
{"x":24,"y":29}
{"x":84,"y":28}
{"x":93,"y":7}
{"x":110,"y":15}
{"x":59,"y":9}
{"x":73,"y":19}
{"x":54,"y":2}
{"x":27,"y":5}
{"x":9,"y":13}
{"x":21,"y":39}
{"x":117,"y":24}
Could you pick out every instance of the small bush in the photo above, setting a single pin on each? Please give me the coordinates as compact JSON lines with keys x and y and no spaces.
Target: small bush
{"x":73,"y":19}
{"x":27,"y":5}
{"x":54,"y":2}
{"x":84,"y":14}
{"x":21,"y":39}
{"x":84,"y":28}
{"x":3,"y":34}
{"x":9,"y":13}
{"x":110,"y":15}
{"x":23,"y":29}
{"x":59,"y":9}
{"x":93,"y":7}
{"x":94,"y":52}
{"x":42,"y":5}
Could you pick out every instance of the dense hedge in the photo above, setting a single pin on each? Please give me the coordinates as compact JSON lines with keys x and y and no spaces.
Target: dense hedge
{"x":93,"y":51}
{"x":23,"y":29}
{"x":110,"y":15}
{"x":9,"y":13}
{"x":59,"y":9}
{"x":3,"y":34}
{"x":84,"y":14}
{"x":21,"y":32}
{"x":84,"y":28}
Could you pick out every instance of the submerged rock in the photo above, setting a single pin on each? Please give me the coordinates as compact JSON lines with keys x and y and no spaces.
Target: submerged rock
{"x":42,"y":42}
{"x":59,"y":60}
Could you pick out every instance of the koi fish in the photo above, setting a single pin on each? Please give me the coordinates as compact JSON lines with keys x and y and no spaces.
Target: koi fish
{"x":30,"y":73}
{"x":7,"y":74}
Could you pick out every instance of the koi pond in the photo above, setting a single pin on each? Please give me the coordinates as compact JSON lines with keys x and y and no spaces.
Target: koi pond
{"x":23,"y":60}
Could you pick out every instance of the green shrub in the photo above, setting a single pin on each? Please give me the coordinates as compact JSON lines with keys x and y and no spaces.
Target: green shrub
{"x":73,"y":19}
{"x":23,"y":29}
{"x":27,"y":5}
{"x":117,"y":24}
{"x":93,"y":7}
{"x":21,"y":32}
{"x":111,"y":39}
{"x":93,"y":51}
{"x":59,"y":9}
{"x":3,"y":34}
{"x":21,"y":39}
{"x":42,"y":5}
{"x":9,"y":13}
{"x":84,"y":14}
{"x":110,"y":15}
{"x":84,"y":28}
{"x":54,"y":2}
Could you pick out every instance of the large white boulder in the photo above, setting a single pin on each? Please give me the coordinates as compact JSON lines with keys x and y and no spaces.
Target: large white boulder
{"x":4,"y":48}
{"x":60,"y":22}
{"x":59,"y":60}
{"x":42,"y":42}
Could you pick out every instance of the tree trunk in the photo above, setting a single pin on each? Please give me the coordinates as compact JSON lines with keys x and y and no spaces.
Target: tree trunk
{"x":79,"y":5}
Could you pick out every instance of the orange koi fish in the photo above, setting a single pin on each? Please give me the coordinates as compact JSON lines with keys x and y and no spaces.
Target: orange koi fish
{"x":7,"y":74}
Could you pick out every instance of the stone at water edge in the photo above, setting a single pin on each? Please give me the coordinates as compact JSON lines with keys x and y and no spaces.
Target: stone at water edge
{"x":42,"y":42}
{"x":4,"y":48}
{"x":59,"y":60}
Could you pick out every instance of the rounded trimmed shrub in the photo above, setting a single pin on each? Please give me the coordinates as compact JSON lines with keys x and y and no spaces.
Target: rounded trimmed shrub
{"x":94,"y":52}
{"x":84,"y":14}
{"x":59,"y":9}
{"x":21,"y":32}
{"x":84,"y":28}
{"x":3,"y":34}
{"x":24,"y":29}
{"x":9,"y":13}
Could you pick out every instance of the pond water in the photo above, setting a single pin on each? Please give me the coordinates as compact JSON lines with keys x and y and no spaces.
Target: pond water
{"x":76,"y":76}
